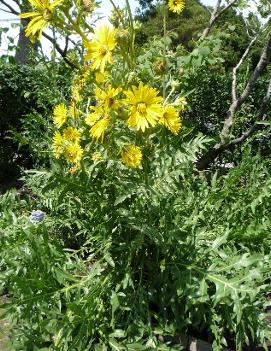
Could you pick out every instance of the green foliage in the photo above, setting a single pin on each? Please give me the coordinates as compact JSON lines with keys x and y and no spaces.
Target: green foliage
{"x":231,"y":26}
{"x":125,"y":256}
{"x":186,"y":29}
{"x":26,"y":93}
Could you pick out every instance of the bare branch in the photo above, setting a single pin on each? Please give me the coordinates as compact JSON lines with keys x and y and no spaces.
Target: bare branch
{"x":235,"y":69}
{"x":6,"y":12}
{"x":217,"y":12}
{"x":66,"y":45}
{"x":59,"y":50}
{"x":76,"y":46}
{"x":224,"y":9}
{"x":12,"y":10}
{"x":204,"y":161}
{"x":236,"y":104}
{"x":47,"y":36}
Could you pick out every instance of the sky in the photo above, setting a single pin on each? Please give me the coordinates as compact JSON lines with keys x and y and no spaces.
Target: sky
{"x":12,"y":22}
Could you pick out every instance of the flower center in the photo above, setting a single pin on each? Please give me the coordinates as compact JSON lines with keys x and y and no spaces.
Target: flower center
{"x":165,"y":115}
{"x":103,"y":51}
{"x":141,"y":107}
{"x":110,"y":102}
{"x":46,"y":15}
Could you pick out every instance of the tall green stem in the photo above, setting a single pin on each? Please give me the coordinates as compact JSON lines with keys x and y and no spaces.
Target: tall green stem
{"x":75,"y":26}
{"x":131,"y":24}
{"x":118,"y":12}
{"x":165,"y":47}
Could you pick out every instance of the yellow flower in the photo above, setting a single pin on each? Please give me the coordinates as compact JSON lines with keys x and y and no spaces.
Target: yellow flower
{"x":99,"y":50}
{"x":145,"y":109}
{"x":108,"y":97}
{"x":74,"y":169}
{"x":131,"y":156}
{"x":73,"y":153}
{"x":41,"y":18}
{"x":171,"y":119}
{"x":176,"y":6}
{"x":71,"y":134}
{"x":97,"y":156}
{"x":100,"y":77}
{"x":60,"y":115}
{"x":58,"y":145}
{"x":99,"y":128}
{"x":76,"y":97}
{"x":94,"y":116}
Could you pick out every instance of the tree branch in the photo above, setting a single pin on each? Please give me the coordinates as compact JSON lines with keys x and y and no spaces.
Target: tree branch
{"x":12,"y":10}
{"x":237,"y":103}
{"x":59,"y":50}
{"x":204,"y":161}
{"x":235,"y":69}
{"x":215,"y":15}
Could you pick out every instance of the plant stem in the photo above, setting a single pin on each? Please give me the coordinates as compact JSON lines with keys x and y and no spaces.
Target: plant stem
{"x":165,"y":48}
{"x":131,"y":24}
{"x":75,"y":26}
{"x":117,"y":10}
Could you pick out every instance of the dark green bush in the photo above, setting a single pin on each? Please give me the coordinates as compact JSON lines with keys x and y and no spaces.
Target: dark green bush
{"x":25,"y":92}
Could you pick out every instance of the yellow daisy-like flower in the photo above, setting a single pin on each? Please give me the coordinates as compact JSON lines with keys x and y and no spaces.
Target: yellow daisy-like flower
{"x":99,"y":49}
{"x":171,"y":119}
{"x":73,"y":153}
{"x":99,"y":128}
{"x":41,"y":18}
{"x":176,"y":6}
{"x":108,"y":97}
{"x":100,"y":77}
{"x":94,"y":116}
{"x":60,"y":115}
{"x":58,"y":145}
{"x":131,"y":156}
{"x":145,"y":109}
{"x":71,"y":134}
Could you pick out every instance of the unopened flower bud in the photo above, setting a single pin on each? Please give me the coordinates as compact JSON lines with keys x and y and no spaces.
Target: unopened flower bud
{"x":160,"y":66}
{"x":174,"y":84}
{"x":88,"y":5}
{"x":123,"y":37}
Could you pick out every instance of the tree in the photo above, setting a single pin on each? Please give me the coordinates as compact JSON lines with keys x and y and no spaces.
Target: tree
{"x":184,"y":25}
{"x":239,"y":98}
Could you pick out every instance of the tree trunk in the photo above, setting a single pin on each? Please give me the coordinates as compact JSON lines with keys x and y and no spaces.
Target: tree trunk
{"x":24,"y":46}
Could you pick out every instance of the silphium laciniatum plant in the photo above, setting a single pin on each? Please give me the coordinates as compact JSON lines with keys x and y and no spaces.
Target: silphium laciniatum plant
{"x":148,"y":266}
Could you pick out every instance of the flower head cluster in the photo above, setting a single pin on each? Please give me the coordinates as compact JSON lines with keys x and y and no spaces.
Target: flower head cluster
{"x":142,"y":106}
{"x":67,"y":143}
